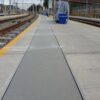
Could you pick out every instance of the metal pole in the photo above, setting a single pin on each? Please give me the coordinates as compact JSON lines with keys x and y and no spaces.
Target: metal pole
{"x":14,"y":5}
{"x":41,"y":5}
{"x":17,"y":6}
{"x":33,"y":8}
{"x":86,"y":7}
{"x":3,"y":9}
{"x":23,"y":5}
{"x":36,"y":9}
{"x":9,"y":6}
{"x":54,"y":1}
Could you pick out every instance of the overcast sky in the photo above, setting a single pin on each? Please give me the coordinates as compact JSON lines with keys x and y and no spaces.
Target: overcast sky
{"x":25,"y":1}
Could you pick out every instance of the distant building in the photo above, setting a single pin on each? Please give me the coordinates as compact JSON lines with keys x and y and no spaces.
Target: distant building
{"x":84,"y":1}
{"x":87,"y":8}
{"x":1,"y":8}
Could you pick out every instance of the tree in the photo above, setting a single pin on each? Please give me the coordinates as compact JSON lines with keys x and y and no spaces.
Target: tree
{"x":32,"y":7}
{"x":39,"y":7}
{"x":46,"y":3}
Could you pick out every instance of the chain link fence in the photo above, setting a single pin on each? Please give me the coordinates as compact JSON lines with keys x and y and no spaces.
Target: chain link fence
{"x":87,"y":10}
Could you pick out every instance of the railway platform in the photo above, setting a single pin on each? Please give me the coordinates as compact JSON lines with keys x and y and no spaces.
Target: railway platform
{"x":86,"y":18}
{"x":52,"y":62}
{"x":9,"y":17}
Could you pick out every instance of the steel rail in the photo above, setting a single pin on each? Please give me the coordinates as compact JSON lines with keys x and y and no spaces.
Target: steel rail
{"x":87,"y":21}
{"x":12,"y":18}
{"x":20,"y":23}
{"x":11,"y":32}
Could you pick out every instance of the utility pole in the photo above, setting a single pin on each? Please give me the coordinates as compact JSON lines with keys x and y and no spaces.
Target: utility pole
{"x":33,"y":8}
{"x":36,"y":9}
{"x":86,"y":7}
{"x":50,"y":6}
{"x":9,"y":6}
{"x":3,"y":7}
{"x":41,"y":6}
{"x":17,"y":6}
{"x":22,"y":6}
{"x":54,"y":1}
{"x":14,"y":5}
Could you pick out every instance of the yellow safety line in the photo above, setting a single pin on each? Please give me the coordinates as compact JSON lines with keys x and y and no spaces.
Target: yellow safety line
{"x":4,"y":50}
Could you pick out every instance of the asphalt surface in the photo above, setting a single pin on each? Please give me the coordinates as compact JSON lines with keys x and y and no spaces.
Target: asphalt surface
{"x":43,"y":73}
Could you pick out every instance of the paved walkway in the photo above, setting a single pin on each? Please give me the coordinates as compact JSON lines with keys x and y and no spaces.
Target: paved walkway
{"x":43,"y":73}
{"x":81,"y":46}
{"x":13,"y":56}
{"x":86,"y":18}
{"x":11,"y":16}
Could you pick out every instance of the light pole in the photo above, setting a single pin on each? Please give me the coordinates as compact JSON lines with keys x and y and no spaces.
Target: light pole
{"x":86,"y":7}
{"x":54,"y":2}
{"x":3,"y":7}
{"x":17,"y":2}
{"x":33,"y":8}
{"x":23,"y":6}
{"x":9,"y":6}
{"x":41,"y":6}
{"x":14,"y":5}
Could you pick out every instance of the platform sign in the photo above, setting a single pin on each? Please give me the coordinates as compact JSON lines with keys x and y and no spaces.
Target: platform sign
{"x":50,"y":4}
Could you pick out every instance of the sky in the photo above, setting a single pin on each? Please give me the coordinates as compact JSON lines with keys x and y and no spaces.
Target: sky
{"x":25,"y":1}
{"x":23,"y":4}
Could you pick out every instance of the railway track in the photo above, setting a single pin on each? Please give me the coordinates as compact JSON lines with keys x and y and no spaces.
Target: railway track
{"x":10,"y":17}
{"x":90,"y":21}
{"x":7,"y":22}
{"x":11,"y":31}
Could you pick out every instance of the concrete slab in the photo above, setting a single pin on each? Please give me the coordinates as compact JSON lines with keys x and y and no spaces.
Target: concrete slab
{"x":81,"y":46}
{"x":10,"y":61}
{"x":43,"y":73}
{"x":87,"y":70}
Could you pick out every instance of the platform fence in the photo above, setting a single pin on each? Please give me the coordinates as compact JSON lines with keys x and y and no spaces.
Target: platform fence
{"x":89,"y":10}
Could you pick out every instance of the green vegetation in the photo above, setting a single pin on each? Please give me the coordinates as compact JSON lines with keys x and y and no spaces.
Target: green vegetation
{"x":46,"y":3}
{"x":35,"y":8}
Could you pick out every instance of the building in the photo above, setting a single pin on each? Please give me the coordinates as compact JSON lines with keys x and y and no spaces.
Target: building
{"x":84,"y":1}
{"x":87,"y":8}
